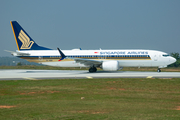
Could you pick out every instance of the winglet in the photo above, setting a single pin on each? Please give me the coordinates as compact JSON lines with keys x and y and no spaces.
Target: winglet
{"x":62,"y":54}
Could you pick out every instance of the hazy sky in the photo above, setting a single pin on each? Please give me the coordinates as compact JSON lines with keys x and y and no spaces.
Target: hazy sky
{"x":93,"y":24}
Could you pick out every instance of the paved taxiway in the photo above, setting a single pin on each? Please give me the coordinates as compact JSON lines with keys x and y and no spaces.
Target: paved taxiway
{"x":61,"y":74}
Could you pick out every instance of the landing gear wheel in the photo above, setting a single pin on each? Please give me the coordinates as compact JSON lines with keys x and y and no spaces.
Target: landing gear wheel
{"x":95,"y":69}
{"x":92,"y":69}
{"x":159,"y":70}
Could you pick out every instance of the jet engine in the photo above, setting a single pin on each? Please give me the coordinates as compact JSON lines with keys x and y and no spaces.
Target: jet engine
{"x":110,"y":66}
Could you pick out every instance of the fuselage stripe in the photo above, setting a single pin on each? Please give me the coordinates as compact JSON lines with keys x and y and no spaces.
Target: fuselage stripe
{"x":99,"y":57}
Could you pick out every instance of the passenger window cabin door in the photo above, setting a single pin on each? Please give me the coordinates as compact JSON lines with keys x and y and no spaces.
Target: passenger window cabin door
{"x":155,"y":57}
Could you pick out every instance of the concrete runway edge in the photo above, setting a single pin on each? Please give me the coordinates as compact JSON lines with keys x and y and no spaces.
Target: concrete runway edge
{"x":75,"y":74}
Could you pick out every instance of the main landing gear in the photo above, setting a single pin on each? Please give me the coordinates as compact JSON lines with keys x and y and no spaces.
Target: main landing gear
{"x":92,"y":69}
{"x":159,"y":70}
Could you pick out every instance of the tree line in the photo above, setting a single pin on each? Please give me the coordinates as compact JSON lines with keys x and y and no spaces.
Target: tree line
{"x":177,"y":63}
{"x":14,"y":61}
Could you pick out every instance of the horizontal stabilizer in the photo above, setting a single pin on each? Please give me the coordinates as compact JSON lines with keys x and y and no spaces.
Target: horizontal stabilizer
{"x":17,"y":53}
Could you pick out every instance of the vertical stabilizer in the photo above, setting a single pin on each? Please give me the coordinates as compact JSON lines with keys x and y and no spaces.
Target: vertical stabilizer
{"x":23,"y":40}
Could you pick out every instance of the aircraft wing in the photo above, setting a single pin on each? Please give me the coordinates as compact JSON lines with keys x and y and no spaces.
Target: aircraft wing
{"x":17,"y":53}
{"x":89,"y":62}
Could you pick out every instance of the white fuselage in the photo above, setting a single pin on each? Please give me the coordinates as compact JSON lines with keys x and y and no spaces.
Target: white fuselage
{"x":126,"y":58}
{"x":108,"y":60}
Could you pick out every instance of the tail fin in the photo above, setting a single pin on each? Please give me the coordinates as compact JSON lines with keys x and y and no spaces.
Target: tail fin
{"x":23,"y":40}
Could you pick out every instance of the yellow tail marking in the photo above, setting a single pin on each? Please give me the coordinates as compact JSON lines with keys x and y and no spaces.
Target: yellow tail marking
{"x":26,"y":43}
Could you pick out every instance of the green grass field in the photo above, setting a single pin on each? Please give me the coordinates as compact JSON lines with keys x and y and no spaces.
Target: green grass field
{"x":89,"y":99}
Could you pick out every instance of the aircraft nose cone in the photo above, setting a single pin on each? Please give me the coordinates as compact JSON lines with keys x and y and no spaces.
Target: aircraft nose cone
{"x":173,"y":60}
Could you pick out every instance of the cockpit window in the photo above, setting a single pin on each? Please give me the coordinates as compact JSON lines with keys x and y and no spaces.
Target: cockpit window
{"x":166,"y":55}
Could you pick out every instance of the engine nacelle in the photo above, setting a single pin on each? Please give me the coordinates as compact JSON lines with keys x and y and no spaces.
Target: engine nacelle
{"x":110,"y":66}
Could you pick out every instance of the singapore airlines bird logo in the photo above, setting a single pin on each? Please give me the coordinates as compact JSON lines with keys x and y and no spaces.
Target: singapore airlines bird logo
{"x":26,"y":43}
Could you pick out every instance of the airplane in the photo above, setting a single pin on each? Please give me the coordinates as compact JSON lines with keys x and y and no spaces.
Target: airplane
{"x":108,"y":60}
